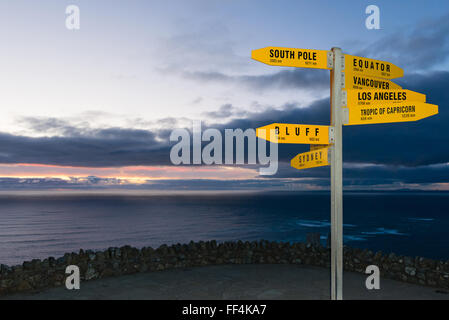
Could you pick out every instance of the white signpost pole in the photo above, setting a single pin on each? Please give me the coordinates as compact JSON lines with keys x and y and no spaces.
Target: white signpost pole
{"x":337,"y":82}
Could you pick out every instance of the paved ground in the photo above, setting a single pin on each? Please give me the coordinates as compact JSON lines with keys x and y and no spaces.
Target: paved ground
{"x":236,"y":282}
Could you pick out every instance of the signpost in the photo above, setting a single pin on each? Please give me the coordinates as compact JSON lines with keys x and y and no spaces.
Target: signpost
{"x":337,"y":178}
{"x":360,"y":94}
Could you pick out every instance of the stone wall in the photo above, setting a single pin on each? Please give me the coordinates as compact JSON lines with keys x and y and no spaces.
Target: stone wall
{"x":36,"y":275}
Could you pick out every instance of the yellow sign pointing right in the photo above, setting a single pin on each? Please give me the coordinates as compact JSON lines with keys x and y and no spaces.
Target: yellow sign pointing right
{"x":311,"y":159}
{"x":355,"y":81}
{"x":371,"y":67}
{"x":373,"y":97}
{"x":382,"y":112}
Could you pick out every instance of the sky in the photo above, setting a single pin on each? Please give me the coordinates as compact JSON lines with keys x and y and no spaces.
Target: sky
{"x":94,"y":107}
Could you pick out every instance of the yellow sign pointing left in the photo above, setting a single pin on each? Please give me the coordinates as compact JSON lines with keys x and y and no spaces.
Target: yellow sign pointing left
{"x":311,"y":159}
{"x":296,"y":133}
{"x":291,"y":57}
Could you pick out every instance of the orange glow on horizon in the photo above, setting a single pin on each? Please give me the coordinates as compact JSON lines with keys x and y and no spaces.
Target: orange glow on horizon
{"x":132,"y":174}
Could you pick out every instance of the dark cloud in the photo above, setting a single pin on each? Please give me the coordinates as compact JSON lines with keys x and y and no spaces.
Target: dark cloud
{"x":373,"y":174}
{"x":52,"y":126}
{"x":98,"y":148}
{"x":225,"y":111}
{"x":417,"y":48}
{"x":411,"y":144}
{"x":284,"y":79}
{"x":423,"y":142}
{"x":419,"y":143}
{"x":197,"y":100}
{"x":391,"y":174}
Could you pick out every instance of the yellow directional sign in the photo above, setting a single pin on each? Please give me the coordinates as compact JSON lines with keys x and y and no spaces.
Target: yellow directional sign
{"x":355,"y":81}
{"x":311,"y":159}
{"x":295,"y":133}
{"x":317,"y":146}
{"x":291,"y":57}
{"x":374,"y":97}
{"x":389,"y":112}
{"x":371,"y":67}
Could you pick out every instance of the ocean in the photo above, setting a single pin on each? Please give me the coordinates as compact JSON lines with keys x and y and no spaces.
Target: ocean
{"x":39,"y":226}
